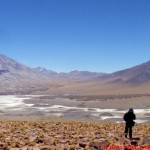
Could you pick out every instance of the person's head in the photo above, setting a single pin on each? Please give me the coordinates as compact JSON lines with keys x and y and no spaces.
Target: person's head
{"x":131,"y":110}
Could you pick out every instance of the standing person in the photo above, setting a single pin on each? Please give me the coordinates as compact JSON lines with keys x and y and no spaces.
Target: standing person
{"x":128,"y":118}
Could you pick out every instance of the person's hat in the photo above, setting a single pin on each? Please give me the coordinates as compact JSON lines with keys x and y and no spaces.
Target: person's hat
{"x":131,"y":110}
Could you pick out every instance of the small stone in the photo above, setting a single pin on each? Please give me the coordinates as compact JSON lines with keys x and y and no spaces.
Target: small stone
{"x":46,"y":147}
{"x":99,"y":145}
{"x":81,"y":144}
{"x":146,"y":140}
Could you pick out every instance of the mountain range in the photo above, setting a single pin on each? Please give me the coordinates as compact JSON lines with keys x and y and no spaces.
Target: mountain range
{"x":17,"y":78}
{"x":73,"y":75}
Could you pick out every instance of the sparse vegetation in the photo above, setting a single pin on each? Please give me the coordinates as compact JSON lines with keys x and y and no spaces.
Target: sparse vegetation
{"x":67,"y":135}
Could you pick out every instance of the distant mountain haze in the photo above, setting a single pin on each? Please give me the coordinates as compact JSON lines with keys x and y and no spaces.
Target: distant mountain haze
{"x":136,"y":75}
{"x":17,"y":78}
{"x":73,"y":75}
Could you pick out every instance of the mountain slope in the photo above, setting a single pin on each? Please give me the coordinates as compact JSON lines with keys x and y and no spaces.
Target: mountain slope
{"x":135,"y":80}
{"x":136,"y":75}
{"x":19,"y":78}
{"x":16,"y":77}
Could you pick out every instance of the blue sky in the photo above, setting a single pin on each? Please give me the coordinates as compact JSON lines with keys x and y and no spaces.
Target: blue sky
{"x":65,"y":35}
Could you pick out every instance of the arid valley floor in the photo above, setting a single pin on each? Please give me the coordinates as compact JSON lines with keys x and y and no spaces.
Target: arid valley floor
{"x":95,"y":108}
{"x":66,"y":122}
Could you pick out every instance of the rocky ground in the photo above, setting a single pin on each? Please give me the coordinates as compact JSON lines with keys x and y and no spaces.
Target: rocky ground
{"x":70,"y":135}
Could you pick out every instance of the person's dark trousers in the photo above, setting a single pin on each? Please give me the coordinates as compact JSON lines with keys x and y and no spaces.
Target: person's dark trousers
{"x":128,"y":128}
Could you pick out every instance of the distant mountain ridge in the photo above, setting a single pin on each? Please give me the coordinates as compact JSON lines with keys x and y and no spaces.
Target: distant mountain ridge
{"x":16,"y":77}
{"x":73,"y":75}
{"x":9,"y":64}
{"x":135,"y":75}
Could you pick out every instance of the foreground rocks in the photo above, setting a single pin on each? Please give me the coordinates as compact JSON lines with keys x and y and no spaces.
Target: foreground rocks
{"x":69,"y":135}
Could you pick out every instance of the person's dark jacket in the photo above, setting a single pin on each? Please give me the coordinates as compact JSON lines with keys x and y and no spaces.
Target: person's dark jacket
{"x":129,"y":117}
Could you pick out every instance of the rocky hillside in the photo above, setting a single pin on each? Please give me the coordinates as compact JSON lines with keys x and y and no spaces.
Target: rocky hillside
{"x":70,"y":135}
